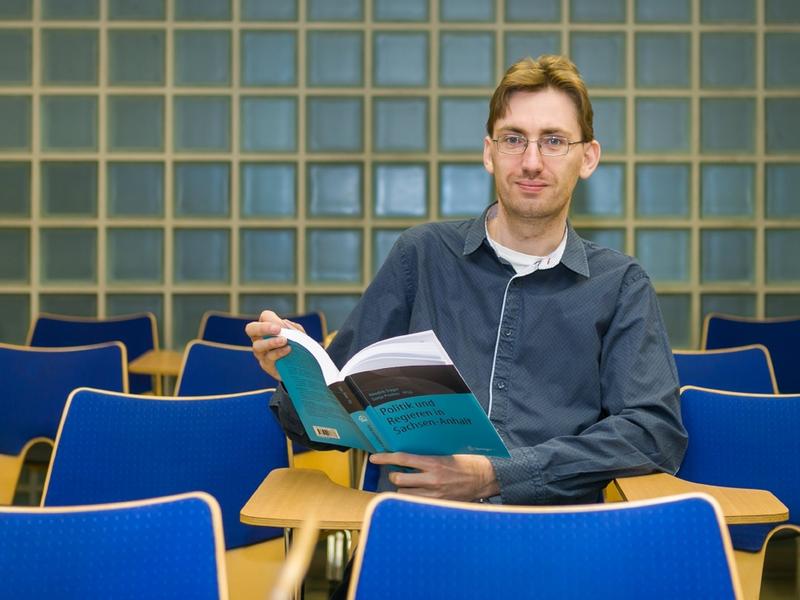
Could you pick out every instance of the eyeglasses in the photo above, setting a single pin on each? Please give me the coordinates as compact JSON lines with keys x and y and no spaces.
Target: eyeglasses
{"x":549,"y":145}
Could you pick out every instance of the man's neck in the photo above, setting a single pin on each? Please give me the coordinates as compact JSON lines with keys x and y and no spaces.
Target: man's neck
{"x":537,"y":237}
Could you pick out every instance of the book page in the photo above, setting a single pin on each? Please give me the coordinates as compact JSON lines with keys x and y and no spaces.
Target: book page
{"x":329,"y":371}
{"x":422,"y":348}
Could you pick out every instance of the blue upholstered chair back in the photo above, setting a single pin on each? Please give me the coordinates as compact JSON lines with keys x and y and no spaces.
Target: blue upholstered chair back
{"x":781,"y":336}
{"x":114,"y":447}
{"x":225,"y":328}
{"x":210,"y":368}
{"x":137,"y":331}
{"x":37,"y":382}
{"x":743,"y":369}
{"x":415,"y":548}
{"x":744,"y":440}
{"x":160,"y":548}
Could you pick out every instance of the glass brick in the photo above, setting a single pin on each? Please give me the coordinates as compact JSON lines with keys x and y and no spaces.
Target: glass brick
{"x":202,"y":123}
{"x":782,"y":182}
{"x":609,"y":123}
{"x":202,"y":10}
{"x":592,"y":11}
{"x":335,"y":124}
{"x":408,"y":10}
{"x":727,"y":60}
{"x":267,"y":256}
{"x":401,"y":59}
{"x":280,"y":46}
{"x":663,"y":60}
{"x":135,"y":189}
{"x":466,"y":10}
{"x":136,"y":57}
{"x":400,"y":189}
{"x":727,"y":125}
{"x":254,"y":304}
{"x":727,"y":190}
{"x":341,"y":10}
{"x":782,"y":305}
{"x":727,"y":11}
{"x":202,"y":255}
{"x":16,"y":56}
{"x":202,"y":58}
{"x":268,"y":124}
{"x":78,"y":305}
{"x":600,"y":58}
{"x":658,"y":11}
{"x":269,"y":10}
{"x":664,"y":253}
{"x":782,"y":66}
{"x":69,"y":56}
{"x":782,"y":263}
{"x":731,"y":304}
{"x":603,"y":194}
{"x":15,"y":316}
{"x":15,"y":122}
{"x":727,"y":255}
{"x":336,"y":307}
{"x":187,"y":312}
{"x":16,"y":9}
{"x":663,"y":124}
{"x":69,"y":188}
{"x":69,"y":122}
{"x":72,"y":10}
{"x":135,"y":255}
{"x":541,"y":11}
{"x":462,"y":123}
{"x":15,"y":250}
{"x":135,"y":123}
{"x":662,"y":190}
{"x":466,"y":59}
{"x":268,"y":189}
{"x":465,"y":190}
{"x":335,"y":58}
{"x":15,"y":189}
{"x":334,"y":255}
{"x":783,"y":126}
{"x":522,"y":44}
{"x":676,"y":308}
{"x":782,"y":12}
{"x":335,"y":189}
{"x":68,"y":255}
{"x":608,"y":238}
{"x":202,"y":189}
{"x":400,"y":124}
{"x":136,"y":10}
{"x":127,"y":304}
{"x":382,"y":242}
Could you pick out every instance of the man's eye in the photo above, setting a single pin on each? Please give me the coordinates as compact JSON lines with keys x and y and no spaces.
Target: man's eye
{"x":514,"y":140}
{"x":553,"y":140}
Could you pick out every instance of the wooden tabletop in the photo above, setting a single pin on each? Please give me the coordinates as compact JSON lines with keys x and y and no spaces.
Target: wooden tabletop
{"x":287,"y":497}
{"x":157,"y":362}
{"x":739,"y":505}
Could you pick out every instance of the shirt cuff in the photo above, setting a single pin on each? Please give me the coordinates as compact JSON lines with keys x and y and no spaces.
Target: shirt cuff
{"x":519,"y":477}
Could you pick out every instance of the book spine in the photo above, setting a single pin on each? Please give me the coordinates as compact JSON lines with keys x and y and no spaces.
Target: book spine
{"x":357,"y":411}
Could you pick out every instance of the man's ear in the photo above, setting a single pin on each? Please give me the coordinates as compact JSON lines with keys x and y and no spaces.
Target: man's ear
{"x":488,"y":162}
{"x":591,"y":158}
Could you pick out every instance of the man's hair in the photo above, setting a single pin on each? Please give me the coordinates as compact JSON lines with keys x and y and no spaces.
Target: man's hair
{"x":547,"y":71}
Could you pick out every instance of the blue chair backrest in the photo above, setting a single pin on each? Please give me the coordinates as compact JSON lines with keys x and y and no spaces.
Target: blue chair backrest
{"x":138,"y":332}
{"x":225,"y":328}
{"x":38,"y":381}
{"x":744,"y":440}
{"x":412,"y":548}
{"x":162,"y":548}
{"x":115,"y":447}
{"x":780,"y":336}
{"x":744,"y":369}
{"x":210,"y":368}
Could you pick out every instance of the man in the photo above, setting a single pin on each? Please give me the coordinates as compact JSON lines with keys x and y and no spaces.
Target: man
{"x":561,"y":340}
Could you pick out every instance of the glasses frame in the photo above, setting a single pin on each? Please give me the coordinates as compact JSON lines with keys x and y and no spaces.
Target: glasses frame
{"x":538,"y":141}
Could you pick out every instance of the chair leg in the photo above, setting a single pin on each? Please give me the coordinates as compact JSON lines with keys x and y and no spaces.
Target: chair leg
{"x":750,"y":566}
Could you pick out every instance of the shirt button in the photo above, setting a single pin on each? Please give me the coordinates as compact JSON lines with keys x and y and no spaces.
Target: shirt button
{"x":507,"y":333}
{"x":501,"y":385}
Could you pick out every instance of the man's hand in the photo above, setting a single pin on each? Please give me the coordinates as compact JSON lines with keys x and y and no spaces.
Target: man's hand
{"x":458,"y":477}
{"x":269,"y":350}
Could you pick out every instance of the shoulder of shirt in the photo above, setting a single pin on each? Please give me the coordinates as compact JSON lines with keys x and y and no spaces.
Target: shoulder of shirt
{"x":437,"y":231}
{"x":607,"y":260}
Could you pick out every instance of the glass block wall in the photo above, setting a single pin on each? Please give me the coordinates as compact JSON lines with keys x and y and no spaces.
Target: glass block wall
{"x":182,"y":155}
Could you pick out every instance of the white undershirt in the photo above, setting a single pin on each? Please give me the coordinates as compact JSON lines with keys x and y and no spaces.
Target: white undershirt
{"x":527,"y":263}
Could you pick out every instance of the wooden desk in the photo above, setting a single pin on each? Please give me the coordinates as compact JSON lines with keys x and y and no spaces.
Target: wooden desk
{"x":160,"y":364}
{"x":739,"y":505}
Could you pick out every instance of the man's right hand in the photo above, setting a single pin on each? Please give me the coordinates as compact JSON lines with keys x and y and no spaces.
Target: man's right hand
{"x":274,"y":347}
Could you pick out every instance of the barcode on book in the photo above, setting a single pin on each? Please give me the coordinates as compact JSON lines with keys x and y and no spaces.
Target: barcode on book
{"x":326,"y":432}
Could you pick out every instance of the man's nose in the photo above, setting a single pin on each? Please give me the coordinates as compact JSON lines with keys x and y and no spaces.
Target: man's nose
{"x":532,"y":157}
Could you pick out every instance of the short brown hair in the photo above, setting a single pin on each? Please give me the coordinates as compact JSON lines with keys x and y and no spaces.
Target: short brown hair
{"x":547,"y":71}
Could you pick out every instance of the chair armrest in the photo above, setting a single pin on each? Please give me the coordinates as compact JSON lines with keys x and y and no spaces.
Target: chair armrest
{"x":739,"y":505}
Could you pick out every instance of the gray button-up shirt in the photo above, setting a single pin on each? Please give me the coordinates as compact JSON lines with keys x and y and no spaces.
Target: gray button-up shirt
{"x":572,"y":363}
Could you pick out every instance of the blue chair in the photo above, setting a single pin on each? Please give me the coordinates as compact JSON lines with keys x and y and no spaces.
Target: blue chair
{"x":226,"y":328}
{"x":36,"y":384}
{"x":742,"y":369}
{"x":418,"y":548}
{"x":113,"y":447}
{"x":158,"y":548}
{"x":781,"y":336}
{"x":137,"y":331}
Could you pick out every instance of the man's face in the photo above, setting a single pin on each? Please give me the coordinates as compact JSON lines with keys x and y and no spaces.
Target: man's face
{"x":530,"y":185}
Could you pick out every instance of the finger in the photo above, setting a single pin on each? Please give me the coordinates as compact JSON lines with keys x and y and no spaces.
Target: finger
{"x":402,"y":459}
{"x":292,"y":325}
{"x":259,"y":329}
{"x":262,"y":345}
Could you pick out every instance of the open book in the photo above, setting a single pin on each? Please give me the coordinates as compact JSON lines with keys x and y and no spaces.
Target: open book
{"x":398,"y":395}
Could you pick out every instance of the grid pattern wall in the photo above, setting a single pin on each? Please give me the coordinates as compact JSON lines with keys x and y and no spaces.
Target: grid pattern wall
{"x":184,"y":155}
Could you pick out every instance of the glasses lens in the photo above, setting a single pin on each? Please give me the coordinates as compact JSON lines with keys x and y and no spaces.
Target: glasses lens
{"x":553,"y":145}
{"x":512,"y":144}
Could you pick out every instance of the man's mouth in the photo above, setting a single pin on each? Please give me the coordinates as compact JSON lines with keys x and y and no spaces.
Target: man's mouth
{"x":531,"y":186}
